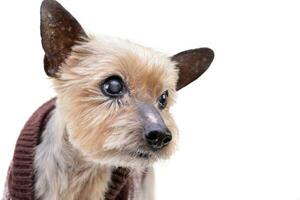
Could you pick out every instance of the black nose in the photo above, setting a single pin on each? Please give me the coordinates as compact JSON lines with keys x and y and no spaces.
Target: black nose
{"x":158,"y":139}
{"x":156,"y":133}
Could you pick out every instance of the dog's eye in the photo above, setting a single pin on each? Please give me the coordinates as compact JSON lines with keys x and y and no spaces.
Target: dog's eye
{"x":113,"y":86}
{"x":163,"y":100}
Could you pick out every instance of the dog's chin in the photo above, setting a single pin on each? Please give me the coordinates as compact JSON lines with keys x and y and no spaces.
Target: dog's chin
{"x":138,"y":158}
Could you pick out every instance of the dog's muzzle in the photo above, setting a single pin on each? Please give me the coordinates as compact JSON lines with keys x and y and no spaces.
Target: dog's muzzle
{"x":155,"y":132}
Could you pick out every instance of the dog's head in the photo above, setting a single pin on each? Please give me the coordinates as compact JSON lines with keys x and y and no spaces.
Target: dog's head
{"x":114,"y":95}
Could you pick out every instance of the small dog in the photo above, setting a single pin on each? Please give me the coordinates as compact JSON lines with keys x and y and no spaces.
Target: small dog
{"x":110,"y":120}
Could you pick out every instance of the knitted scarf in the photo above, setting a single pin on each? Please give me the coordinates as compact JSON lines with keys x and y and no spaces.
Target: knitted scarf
{"x":21,"y":172}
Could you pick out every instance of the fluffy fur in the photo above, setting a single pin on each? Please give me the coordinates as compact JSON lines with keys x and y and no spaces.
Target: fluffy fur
{"x":88,"y":134}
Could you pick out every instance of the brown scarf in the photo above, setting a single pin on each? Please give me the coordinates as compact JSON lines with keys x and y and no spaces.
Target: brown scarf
{"x":21,"y":173}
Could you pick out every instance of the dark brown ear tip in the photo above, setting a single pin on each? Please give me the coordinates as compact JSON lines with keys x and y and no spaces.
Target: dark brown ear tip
{"x":206,"y":53}
{"x":210,"y":54}
{"x":48,"y":5}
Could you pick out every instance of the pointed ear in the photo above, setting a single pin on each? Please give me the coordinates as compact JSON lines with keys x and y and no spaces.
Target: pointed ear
{"x":59,"y":31}
{"x":192,"y":63}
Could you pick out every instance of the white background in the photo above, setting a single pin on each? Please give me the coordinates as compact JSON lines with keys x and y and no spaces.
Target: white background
{"x":239,"y":123}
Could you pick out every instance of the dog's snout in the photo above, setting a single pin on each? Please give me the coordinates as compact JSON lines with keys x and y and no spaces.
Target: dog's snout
{"x":156,"y":133}
{"x":158,"y":139}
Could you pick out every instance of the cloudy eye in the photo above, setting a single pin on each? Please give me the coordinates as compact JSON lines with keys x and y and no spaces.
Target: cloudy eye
{"x":113,"y":87}
{"x":163,"y":100}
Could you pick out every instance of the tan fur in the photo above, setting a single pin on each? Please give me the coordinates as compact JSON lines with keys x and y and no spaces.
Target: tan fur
{"x":89,"y":133}
{"x":100,"y":127}
{"x":61,"y":170}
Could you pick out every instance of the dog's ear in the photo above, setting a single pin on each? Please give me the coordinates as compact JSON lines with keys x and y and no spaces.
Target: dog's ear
{"x":59,"y":32}
{"x":191,"y":64}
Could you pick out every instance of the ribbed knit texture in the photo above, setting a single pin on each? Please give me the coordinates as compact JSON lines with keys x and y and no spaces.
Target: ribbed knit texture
{"x":119,"y":179}
{"x":21,"y":172}
{"x":21,"y":177}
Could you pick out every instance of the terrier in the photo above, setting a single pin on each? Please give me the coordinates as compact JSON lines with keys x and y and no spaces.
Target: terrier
{"x":110,"y":120}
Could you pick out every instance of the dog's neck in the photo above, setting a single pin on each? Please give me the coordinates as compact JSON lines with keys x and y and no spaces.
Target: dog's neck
{"x":61,"y":171}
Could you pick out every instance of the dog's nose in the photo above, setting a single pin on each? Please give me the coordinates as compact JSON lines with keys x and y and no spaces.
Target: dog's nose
{"x":158,"y":139}
{"x":156,"y":133}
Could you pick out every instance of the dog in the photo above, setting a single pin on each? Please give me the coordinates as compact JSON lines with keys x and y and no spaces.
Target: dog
{"x":110,"y":121}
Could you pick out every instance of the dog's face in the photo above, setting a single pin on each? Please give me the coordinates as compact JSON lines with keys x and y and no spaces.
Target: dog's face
{"x":114,"y":95}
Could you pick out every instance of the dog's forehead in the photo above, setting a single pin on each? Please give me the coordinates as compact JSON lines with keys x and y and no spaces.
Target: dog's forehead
{"x":148,"y":72}
{"x":142,"y":68}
